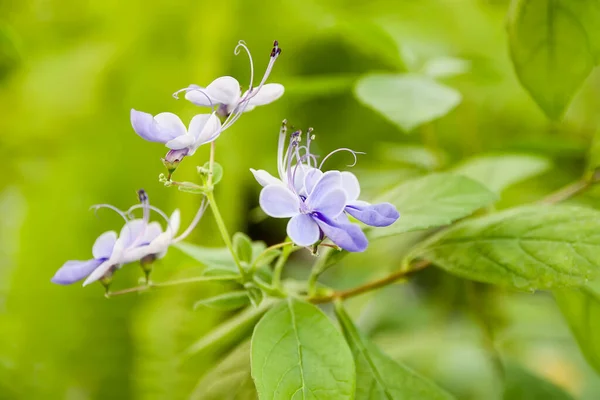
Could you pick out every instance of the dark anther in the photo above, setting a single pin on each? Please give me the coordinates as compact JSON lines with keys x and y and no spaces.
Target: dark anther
{"x":276,"y":50}
{"x":142,"y":195}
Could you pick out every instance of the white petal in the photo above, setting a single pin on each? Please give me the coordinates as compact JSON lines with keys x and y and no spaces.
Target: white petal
{"x":181,"y":142}
{"x":279,"y":202}
{"x":103,"y":246}
{"x":264,"y":178}
{"x":210,"y":130}
{"x":303,"y":230}
{"x":152,"y":231}
{"x":170,"y":123}
{"x":311,"y":178}
{"x":174,"y":223}
{"x":131,"y":233}
{"x":200,"y":97}
{"x":350,"y":185}
{"x":225,"y":90}
{"x":267,"y":94}
{"x":99,"y":272}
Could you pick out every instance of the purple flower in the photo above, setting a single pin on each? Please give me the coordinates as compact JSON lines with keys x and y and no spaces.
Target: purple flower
{"x":167,"y":128}
{"x":225,"y":93}
{"x":139,"y":239}
{"x":317,"y":202}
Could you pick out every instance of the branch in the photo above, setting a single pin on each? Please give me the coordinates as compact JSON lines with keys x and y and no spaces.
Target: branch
{"x":396,"y":276}
{"x":568,"y":191}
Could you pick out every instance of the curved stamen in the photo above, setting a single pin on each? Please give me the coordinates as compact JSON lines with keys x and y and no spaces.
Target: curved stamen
{"x":194,"y":222}
{"x":354,"y":154}
{"x":275,"y":52}
{"x":196,"y":89}
{"x":236,"y":51}
{"x":281,"y":149}
{"x":155,"y":209}
{"x":96,"y":207}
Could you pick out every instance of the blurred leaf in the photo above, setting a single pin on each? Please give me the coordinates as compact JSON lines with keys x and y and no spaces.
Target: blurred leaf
{"x":534,"y":247}
{"x":230,"y":379}
{"x":581,"y":309}
{"x":552,"y":49}
{"x":593,"y":162}
{"x":328,"y":85}
{"x":418,"y":156}
{"x":225,"y":301}
{"x":217,"y":260}
{"x":255,"y":294}
{"x":217,"y":171}
{"x":242,"y":245}
{"x":267,"y":257}
{"x":433,"y":200}
{"x":501,"y":171}
{"x":378,"y":376}
{"x":445,"y":67}
{"x":230,"y":330}
{"x":296,"y":349}
{"x":521,"y":384}
{"x":408,"y":100}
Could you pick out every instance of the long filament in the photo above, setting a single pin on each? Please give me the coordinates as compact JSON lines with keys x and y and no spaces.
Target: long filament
{"x":194,"y":222}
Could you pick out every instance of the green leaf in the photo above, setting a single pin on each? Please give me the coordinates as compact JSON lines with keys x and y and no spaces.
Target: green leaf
{"x":230,"y":379}
{"x":378,"y":376}
{"x":552,"y":47}
{"x":225,"y":301}
{"x":534,"y":247}
{"x":593,"y":161}
{"x":217,"y":171}
{"x":408,"y":100}
{"x":255,"y":294}
{"x":242,"y":245}
{"x":498,"y":172}
{"x":581,"y":309}
{"x":298,"y":353}
{"x":433,"y":200}
{"x":521,"y":384}
{"x":217,"y":260}
{"x":267,"y":257}
{"x":446,"y":67}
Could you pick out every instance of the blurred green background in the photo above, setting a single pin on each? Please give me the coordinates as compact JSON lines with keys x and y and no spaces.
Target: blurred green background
{"x":70,"y":71}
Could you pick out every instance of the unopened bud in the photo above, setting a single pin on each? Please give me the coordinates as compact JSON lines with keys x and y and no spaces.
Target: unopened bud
{"x":172,"y":160}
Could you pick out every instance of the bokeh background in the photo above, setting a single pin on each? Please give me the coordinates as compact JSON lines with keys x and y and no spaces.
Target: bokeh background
{"x":71,"y":70}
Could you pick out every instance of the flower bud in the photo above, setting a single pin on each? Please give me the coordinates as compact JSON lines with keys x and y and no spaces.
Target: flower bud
{"x":172,"y":160}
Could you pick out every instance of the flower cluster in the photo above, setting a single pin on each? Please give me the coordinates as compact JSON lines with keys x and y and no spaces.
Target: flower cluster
{"x":139,"y":240}
{"x":318,"y":202}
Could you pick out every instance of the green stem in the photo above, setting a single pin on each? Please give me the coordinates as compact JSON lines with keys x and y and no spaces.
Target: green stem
{"x":318,"y":268}
{"x":211,"y":163}
{"x":278,"y":269}
{"x":223,"y":229}
{"x":175,"y":282}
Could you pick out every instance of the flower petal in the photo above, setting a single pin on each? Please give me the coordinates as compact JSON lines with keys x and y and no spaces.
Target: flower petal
{"x":264,"y":178}
{"x":328,"y":181}
{"x":267,"y":94}
{"x":146,"y":127}
{"x":279,"y":202}
{"x":303,"y":230}
{"x":104,"y":245}
{"x":99,"y":272}
{"x":181,"y":142}
{"x":311,"y":178}
{"x":382,"y":214}
{"x":210,"y":129}
{"x":350,"y":185}
{"x":330,"y":203}
{"x":170,"y":125}
{"x":225,"y":90}
{"x":174,"y":223}
{"x":198,"y":95}
{"x":131,"y":234}
{"x":344,"y":234}
{"x":152,"y":231}
{"x":73,"y":271}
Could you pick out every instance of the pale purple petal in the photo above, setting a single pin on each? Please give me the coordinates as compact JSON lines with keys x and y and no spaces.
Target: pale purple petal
{"x":145,"y":126}
{"x":198,"y":95}
{"x":73,"y":271}
{"x":131,"y":233}
{"x":311,"y":178}
{"x":329,"y":181}
{"x":279,"y":202}
{"x":264,"y":178}
{"x":211,"y":129}
{"x":181,"y":142}
{"x":225,"y":90}
{"x":152,"y":231}
{"x":303,"y":230}
{"x":104,"y":245}
{"x":100,"y":271}
{"x":346,"y":235}
{"x":267,"y":94}
{"x":329,"y":203}
{"x":170,"y":125}
{"x":382,"y":214}
{"x":350,"y":185}
{"x":298,"y":173}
